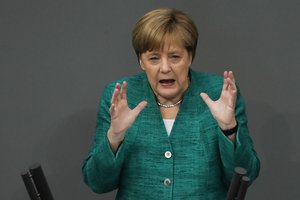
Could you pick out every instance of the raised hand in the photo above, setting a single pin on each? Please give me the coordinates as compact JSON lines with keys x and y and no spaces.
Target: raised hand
{"x":223,"y":109}
{"x":122,"y":117}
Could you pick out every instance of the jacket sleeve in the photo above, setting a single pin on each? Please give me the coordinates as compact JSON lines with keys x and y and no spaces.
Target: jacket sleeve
{"x":241,"y":153}
{"x":101,"y":169}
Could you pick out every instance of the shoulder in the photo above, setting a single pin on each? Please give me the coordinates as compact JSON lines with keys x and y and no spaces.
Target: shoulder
{"x":206,"y":82}
{"x":135,"y":85}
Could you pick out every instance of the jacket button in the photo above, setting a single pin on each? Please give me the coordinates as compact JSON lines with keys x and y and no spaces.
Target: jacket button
{"x":167,"y":182}
{"x":168,"y":154}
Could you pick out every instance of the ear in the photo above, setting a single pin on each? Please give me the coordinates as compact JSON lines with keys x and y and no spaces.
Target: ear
{"x":191,"y":59}
{"x":141,"y":64}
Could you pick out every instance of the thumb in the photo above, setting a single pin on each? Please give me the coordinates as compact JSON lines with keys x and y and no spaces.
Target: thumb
{"x":206,"y":99}
{"x":139,"y":107}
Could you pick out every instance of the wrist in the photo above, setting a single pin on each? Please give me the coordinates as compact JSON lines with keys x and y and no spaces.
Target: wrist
{"x":230,"y":131}
{"x":114,"y":138}
{"x":228,"y":125}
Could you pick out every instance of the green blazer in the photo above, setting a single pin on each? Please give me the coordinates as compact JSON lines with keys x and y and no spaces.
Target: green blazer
{"x":195,"y":162}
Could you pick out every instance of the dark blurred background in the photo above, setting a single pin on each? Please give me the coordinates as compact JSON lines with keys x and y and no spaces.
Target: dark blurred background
{"x":56,"y":56}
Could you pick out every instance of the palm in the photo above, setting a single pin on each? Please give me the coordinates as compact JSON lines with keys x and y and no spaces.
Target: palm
{"x":122,"y":117}
{"x":223,"y":109}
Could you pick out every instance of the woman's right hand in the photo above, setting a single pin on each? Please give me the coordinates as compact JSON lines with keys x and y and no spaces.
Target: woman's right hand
{"x":122,"y":117}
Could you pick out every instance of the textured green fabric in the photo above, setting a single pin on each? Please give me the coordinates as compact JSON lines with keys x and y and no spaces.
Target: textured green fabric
{"x":202,"y":161}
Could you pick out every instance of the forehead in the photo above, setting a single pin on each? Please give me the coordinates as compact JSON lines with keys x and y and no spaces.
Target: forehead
{"x":168,"y":43}
{"x":168,"y":48}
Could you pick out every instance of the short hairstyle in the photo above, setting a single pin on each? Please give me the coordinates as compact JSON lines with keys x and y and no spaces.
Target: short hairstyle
{"x":155,"y":27}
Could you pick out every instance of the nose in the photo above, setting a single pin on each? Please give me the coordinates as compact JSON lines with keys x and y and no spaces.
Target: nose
{"x":165,"y":66}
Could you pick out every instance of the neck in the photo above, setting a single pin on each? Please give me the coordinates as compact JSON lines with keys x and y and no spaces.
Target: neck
{"x":169,"y":105}
{"x":169,"y":113}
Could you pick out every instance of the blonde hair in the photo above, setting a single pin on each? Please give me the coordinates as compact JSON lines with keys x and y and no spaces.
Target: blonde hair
{"x":163,"y":25}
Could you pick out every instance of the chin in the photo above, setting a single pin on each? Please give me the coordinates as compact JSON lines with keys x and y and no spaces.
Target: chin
{"x":168,"y":96}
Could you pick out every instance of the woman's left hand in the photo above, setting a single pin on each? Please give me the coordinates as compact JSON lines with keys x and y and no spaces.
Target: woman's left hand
{"x":223,"y":109}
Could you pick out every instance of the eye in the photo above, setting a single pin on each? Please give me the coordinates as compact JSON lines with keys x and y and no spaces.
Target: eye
{"x":153,"y":58}
{"x":175,"y":57}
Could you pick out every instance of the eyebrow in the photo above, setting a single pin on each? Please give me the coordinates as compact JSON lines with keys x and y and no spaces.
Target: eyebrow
{"x":155,"y":52}
{"x":175,"y":52}
{"x":152,"y":54}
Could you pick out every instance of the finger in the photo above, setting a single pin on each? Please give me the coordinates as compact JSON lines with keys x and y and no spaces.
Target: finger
{"x":114,"y":99}
{"x":231,"y":76}
{"x":228,"y":78}
{"x":232,"y":85}
{"x":225,"y":74}
{"x":124,"y":90}
{"x":206,"y":99}
{"x":232,"y":91}
{"x":139,"y":108}
{"x":231,"y":81}
{"x":225,"y":82}
{"x":115,"y":95}
{"x":112,"y":110}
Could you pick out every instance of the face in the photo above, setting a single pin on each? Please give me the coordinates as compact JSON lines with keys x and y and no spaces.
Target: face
{"x":167,"y":71}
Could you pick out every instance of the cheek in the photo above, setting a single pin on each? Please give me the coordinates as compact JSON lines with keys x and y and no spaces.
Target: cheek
{"x":183,"y":72}
{"x":152,"y":77}
{"x":183,"y":78}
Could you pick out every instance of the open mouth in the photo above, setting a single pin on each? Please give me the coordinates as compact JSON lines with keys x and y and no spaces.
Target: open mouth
{"x":167,"y":81}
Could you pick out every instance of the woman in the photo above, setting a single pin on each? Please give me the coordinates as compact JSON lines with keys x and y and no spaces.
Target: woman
{"x":169,"y":132}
